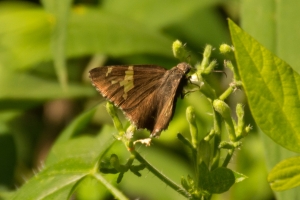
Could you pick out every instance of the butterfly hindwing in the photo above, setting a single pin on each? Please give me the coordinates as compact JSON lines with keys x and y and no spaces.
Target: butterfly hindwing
{"x":171,"y":88}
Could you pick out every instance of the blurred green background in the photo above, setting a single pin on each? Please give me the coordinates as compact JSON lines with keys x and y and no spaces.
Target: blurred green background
{"x":47,"y":48}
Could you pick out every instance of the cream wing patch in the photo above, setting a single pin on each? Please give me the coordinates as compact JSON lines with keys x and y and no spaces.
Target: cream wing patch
{"x":128,"y":81}
{"x":109,"y":69}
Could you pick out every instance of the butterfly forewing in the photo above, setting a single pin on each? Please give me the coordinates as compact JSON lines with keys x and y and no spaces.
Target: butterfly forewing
{"x":117,"y":83}
{"x":130,"y":88}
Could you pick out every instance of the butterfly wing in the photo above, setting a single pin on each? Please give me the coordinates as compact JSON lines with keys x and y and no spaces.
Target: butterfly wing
{"x":131,"y":88}
{"x":171,"y":87}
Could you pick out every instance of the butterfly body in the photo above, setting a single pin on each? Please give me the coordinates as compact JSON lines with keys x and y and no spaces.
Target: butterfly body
{"x":146,"y":93}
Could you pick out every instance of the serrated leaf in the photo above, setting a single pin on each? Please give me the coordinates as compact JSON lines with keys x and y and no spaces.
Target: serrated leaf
{"x":271,"y":86}
{"x":285,"y":175}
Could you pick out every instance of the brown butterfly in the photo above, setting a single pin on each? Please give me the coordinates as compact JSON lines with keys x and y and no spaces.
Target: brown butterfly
{"x":146,"y":94}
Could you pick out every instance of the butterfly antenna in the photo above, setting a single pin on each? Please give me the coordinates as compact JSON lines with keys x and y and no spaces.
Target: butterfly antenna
{"x":220,"y":71}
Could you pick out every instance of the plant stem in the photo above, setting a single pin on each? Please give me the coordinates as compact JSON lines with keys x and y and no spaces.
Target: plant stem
{"x":217,"y":140}
{"x":228,"y":158}
{"x":226,"y":93}
{"x":159,"y":175}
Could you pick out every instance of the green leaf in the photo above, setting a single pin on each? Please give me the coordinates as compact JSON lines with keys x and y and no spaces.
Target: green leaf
{"x":15,"y":87}
{"x":117,"y":193}
{"x":271,"y":87}
{"x":150,"y":12}
{"x":239,"y":177}
{"x":67,"y":164}
{"x":85,"y":146}
{"x":56,"y":181}
{"x":285,"y":175}
{"x":6,"y":194}
{"x":77,"y":125}
{"x":89,"y":188}
{"x":70,"y":160}
{"x":59,"y":181}
{"x":215,"y":33}
{"x":216,"y":181}
{"x":93,"y":30}
{"x":60,"y":10}
{"x":25,"y":37}
{"x":274,"y":27}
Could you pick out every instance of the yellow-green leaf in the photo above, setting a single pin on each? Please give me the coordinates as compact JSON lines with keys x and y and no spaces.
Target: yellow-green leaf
{"x":285,"y":175}
{"x":271,"y":86}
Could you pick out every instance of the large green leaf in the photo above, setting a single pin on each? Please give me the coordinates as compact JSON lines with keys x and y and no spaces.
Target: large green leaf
{"x":68,"y":145}
{"x":69,"y":163}
{"x":56,"y":181}
{"x":273,"y":25}
{"x":272,"y":89}
{"x":71,"y":159}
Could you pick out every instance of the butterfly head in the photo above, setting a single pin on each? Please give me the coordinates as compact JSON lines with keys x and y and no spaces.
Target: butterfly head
{"x":184,"y":67}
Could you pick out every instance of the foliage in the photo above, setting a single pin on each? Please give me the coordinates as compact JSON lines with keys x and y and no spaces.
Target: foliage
{"x":47,"y":49}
